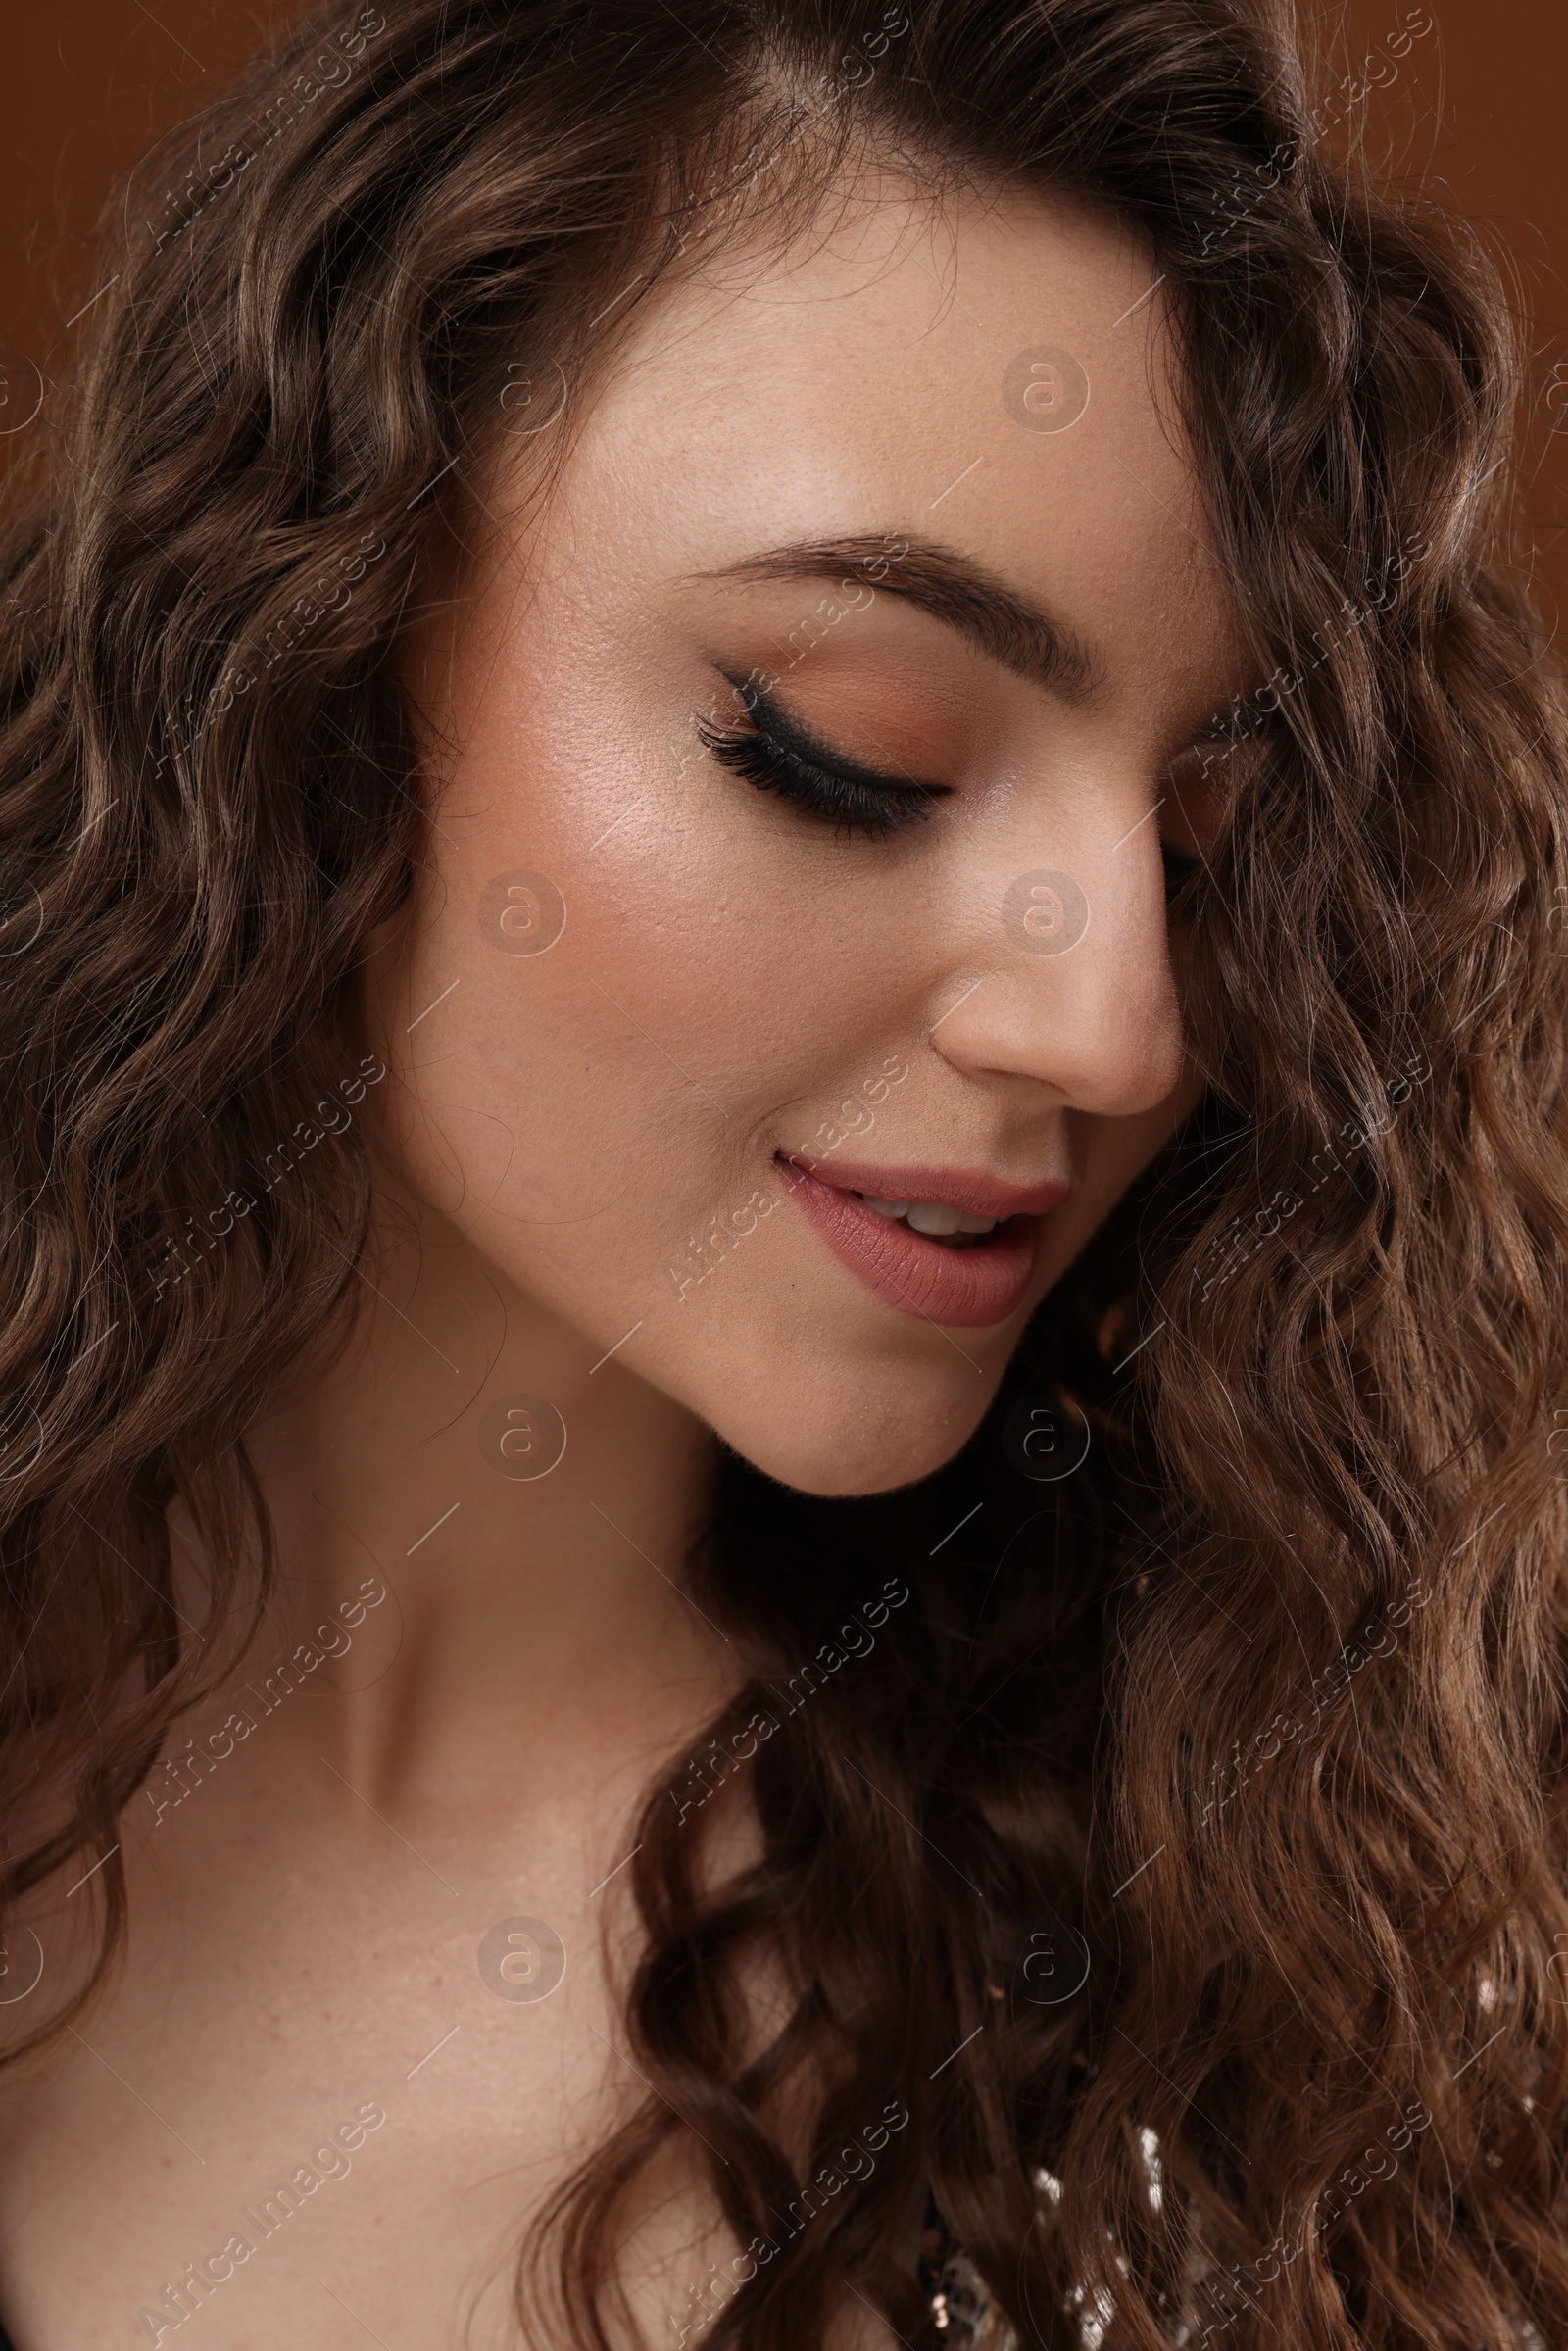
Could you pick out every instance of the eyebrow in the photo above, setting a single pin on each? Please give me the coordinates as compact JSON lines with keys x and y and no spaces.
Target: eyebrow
{"x":953,"y":589}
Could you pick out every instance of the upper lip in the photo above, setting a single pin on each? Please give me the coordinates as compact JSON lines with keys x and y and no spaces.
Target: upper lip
{"x":968,"y":1188}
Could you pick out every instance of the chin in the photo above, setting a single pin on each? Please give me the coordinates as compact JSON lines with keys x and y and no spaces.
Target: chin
{"x":847,"y":1438}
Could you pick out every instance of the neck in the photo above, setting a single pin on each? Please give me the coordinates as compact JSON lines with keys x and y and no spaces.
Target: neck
{"x":527,"y":1508}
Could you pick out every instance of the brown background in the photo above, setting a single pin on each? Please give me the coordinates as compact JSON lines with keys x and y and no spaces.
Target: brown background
{"x":1475,"y":116}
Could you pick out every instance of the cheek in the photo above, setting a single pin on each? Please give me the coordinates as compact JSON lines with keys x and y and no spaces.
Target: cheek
{"x":611,"y":982}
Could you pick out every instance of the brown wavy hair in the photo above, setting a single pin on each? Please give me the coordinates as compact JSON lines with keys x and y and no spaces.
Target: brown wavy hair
{"x":1185,"y":1859}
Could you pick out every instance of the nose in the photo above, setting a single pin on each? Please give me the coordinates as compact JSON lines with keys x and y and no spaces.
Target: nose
{"x":1064,"y":975}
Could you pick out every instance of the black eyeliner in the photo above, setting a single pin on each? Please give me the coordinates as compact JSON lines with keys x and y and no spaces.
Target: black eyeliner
{"x":791,"y":735}
{"x":783,"y":756}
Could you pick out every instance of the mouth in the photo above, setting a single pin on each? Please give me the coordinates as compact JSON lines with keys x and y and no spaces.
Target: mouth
{"x":948,"y":1245}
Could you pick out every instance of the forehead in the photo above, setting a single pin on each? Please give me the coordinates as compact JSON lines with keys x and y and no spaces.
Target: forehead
{"x":997,"y":368}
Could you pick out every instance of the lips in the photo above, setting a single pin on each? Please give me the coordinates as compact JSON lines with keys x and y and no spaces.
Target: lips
{"x":966,"y":1287}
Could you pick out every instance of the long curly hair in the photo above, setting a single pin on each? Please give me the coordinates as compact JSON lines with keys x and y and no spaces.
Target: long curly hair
{"x":1170,"y":1890}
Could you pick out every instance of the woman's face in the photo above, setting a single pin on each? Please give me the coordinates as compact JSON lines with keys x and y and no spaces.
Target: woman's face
{"x":797,"y":828}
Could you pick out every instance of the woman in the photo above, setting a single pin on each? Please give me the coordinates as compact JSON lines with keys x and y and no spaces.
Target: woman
{"x":784,"y":1213}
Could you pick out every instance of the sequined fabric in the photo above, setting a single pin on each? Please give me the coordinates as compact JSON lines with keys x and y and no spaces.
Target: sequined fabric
{"x":966,"y":2319}
{"x":962,"y":2312}
{"x":962,"y":2309}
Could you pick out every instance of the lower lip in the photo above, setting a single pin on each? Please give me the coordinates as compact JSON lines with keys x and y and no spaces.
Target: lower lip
{"x":963,"y":1289}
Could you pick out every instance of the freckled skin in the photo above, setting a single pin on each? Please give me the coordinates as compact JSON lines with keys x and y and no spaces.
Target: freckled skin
{"x":556,"y":1129}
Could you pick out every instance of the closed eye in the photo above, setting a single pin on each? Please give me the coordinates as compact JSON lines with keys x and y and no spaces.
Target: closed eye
{"x":777,"y":754}
{"x":1202,"y":783}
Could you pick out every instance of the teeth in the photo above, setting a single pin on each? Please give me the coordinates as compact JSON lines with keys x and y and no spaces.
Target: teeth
{"x":937,"y":1219}
{"x":934,"y":1217}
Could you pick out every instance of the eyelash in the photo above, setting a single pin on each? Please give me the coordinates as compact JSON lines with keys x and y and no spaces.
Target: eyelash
{"x":850,"y":799}
{"x":778,"y":756}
